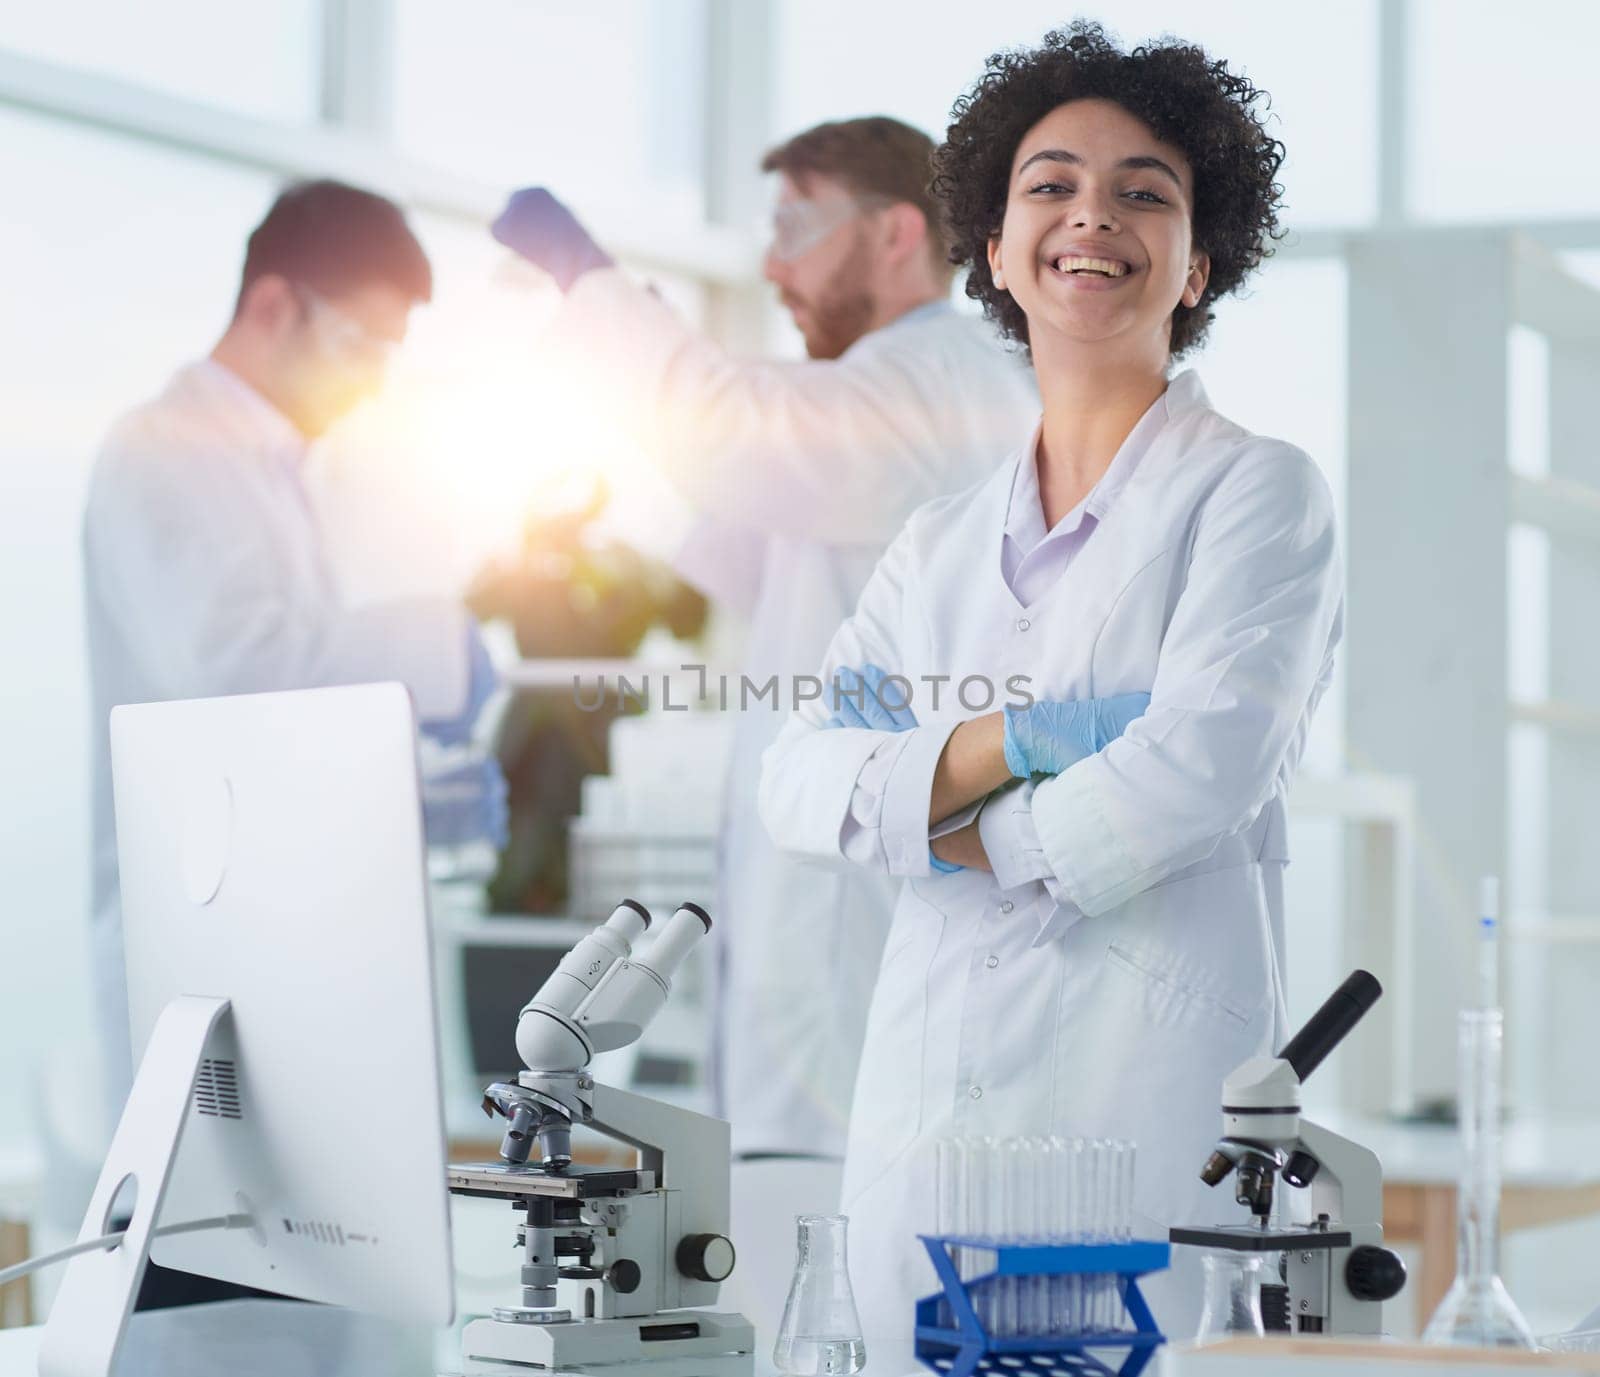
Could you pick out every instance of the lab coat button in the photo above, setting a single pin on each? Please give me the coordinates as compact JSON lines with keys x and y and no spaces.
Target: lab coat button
{"x":1023,"y":623}
{"x":1006,"y":906}
{"x":992,"y":962}
{"x":976,"y":1092}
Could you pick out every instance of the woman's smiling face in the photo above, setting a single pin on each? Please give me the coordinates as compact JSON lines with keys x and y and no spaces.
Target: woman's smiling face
{"x":1096,"y":243}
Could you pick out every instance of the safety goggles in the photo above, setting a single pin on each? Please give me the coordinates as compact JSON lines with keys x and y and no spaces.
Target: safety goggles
{"x":342,"y":335}
{"x":799,"y":226}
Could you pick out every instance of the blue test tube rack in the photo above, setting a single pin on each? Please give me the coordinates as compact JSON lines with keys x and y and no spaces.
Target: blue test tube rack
{"x":968,"y":1348}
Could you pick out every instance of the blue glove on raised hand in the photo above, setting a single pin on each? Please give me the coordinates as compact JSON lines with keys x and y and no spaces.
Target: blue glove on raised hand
{"x":548,"y":235}
{"x":1046,"y":738}
{"x":482,"y":680}
{"x":863,"y":699}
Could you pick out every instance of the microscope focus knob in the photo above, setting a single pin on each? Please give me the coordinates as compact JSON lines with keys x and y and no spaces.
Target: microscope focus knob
{"x":706,"y":1257}
{"x":1373,"y":1273}
{"x":624,"y":1276}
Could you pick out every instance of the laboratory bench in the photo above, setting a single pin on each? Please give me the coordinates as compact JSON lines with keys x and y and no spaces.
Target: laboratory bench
{"x":1300,"y":1357}
{"x":270,"y":1339}
{"x":1550,"y":1174}
{"x":21,"y":1174}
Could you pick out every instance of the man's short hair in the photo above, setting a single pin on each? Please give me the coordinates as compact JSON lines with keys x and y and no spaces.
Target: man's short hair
{"x":871,"y":157}
{"x":335,"y":239}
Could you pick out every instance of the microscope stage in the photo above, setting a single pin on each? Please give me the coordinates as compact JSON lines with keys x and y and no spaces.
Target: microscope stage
{"x":1247,"y":1240}
{"x":498,"y":1181}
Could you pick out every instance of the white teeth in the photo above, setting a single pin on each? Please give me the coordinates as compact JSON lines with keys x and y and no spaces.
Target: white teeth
{"x":1108,"y":267}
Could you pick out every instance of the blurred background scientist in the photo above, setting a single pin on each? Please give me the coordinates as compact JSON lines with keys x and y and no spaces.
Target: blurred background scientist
{"x":205,"y":571}
{"x":204,"y":568}
{"x":798,"y":474}
{"x":1428,"y":330}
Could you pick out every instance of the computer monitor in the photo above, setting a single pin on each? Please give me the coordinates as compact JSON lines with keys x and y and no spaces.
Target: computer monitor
{"x":272,"y":856}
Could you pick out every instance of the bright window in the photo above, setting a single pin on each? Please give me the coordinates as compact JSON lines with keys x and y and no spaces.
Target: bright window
{"x":604,"y":103}
{"x":1502,"y":110}
{"x":838,"y":58}
{"x":258,"y":58}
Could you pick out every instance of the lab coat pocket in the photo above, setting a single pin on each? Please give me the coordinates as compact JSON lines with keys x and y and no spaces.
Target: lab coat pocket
{"x":1167,"y":999}
{"x":888,"y":1110}
{"x":1164,"y":1000}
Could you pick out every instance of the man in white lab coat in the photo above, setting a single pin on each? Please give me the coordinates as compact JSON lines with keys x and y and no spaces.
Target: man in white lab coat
{"x":204,"y":569}
{"x":801,"y":473}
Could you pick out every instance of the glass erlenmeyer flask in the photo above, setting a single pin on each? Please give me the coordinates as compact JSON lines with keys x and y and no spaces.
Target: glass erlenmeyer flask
{"x":1478,"y":1310}
{"x":821,"y":1332}
{"x":1233,"y":1295}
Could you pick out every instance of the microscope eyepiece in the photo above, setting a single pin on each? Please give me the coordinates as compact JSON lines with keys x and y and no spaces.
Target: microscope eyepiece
{"x":1329,"y":1026}
{"x":698,"y":912}
{"x":637,"y":907}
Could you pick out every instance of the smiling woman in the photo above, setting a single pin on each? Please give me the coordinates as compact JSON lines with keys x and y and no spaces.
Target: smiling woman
{"x":1204,"y":116}
{"x":1092,"y":875}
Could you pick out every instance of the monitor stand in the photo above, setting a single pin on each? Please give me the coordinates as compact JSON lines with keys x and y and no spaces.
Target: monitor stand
{"x":97,"y":1293}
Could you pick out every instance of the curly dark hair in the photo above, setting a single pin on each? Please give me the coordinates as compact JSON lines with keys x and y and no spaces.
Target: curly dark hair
{"x":1188,"y":100}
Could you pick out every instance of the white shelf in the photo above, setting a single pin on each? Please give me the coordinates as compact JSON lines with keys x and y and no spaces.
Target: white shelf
{"x":1557,"y":505}
{"x":1549,"y":299}
{"x":1556,"y":715}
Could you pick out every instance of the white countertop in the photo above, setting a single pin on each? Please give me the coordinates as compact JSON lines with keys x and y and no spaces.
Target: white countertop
{"x":249,"y":1339}
{"x":1283,"y":1357}
{"x":287,"y":1339}
{"x":1536,"y":1152}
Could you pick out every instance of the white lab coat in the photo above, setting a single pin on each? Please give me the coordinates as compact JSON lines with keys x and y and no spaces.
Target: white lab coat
{"x":1140,"y":958}
{"x":205,"y":574}
{"x":800,"y":473}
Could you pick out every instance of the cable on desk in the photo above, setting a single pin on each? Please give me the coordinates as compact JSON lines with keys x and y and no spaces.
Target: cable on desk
{"x":108,"y":1241}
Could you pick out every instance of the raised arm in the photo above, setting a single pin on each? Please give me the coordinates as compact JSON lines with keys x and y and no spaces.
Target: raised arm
{"x":835,"y":451}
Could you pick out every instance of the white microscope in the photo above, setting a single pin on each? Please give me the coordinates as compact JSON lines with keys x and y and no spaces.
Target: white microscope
{"x":611,"y":1258}
{"x":1335,"y":1275}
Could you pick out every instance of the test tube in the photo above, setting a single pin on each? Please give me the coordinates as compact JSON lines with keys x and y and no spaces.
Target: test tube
{"x":1058,"y":1226}
{"x":985,"y":1217}
{"x":1033,"y":1301}
{"x":1089,"y":1205}
{"x":1068,"y":1303}
{"x":1016,"y":1185}
{"x":1130,"y":1161}
{"x":1036,"y":1290}
{"x":1122,"y":1224}
{"x":951,"y":1170}
{"x":1107,"y":1153}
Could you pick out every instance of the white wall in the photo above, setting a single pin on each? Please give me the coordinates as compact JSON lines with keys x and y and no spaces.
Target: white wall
{"x":122,"y":267}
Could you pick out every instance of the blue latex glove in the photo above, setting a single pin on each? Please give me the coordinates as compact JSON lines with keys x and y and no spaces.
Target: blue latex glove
{"x":943,"y":867}
{"x":880,"y":707}
{"x":548,"y":235}
{"x":1048,"y":737}
{"x":466,"y":803}
{"x":482,"y":681}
